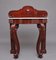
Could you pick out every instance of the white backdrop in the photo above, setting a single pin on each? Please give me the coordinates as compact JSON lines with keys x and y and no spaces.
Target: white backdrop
{"x":27,"y":33}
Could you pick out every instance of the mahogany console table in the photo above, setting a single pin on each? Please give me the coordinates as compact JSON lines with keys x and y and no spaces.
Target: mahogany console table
{"x":28,"y":15}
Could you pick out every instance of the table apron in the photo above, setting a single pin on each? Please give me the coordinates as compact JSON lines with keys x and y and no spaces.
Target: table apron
{"x":28,"y":21}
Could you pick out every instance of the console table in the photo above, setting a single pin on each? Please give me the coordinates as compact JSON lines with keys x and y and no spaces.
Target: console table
{"x":28,"y":15}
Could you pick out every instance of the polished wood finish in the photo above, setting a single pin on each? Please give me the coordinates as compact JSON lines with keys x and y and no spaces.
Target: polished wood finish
{"x":28,"y":11}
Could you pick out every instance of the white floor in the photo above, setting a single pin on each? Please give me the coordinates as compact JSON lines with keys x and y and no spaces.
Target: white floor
{"x":27,"y":52}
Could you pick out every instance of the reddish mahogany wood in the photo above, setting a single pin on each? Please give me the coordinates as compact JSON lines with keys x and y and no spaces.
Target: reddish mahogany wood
{"x":28,"y":11}
{"x":35,"y":21}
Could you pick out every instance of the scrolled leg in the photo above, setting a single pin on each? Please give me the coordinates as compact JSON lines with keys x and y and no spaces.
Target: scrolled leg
{"x":12,"y":51}
{"x":41,"y":43}
{"x":44,"y":39}
{"x":14,"y":40}
{"x":38,"y":46}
